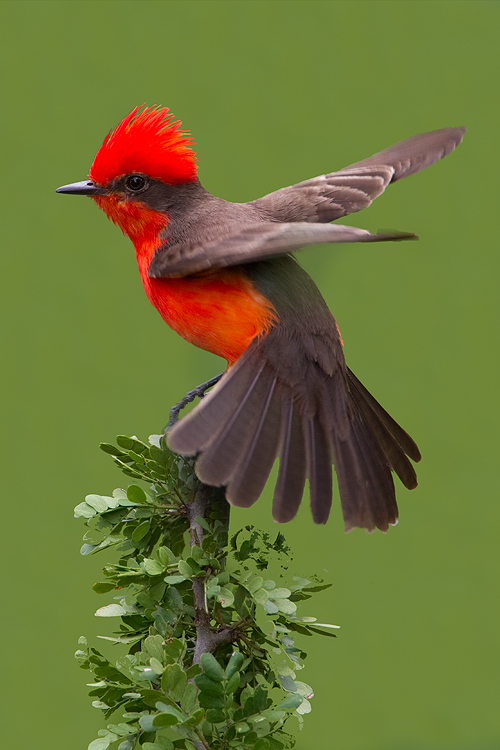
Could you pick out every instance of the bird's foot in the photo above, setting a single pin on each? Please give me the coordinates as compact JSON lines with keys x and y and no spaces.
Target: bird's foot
{"x":197,"y":392}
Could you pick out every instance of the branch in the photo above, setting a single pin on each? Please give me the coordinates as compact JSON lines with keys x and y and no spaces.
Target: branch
{"x":206,"y":501}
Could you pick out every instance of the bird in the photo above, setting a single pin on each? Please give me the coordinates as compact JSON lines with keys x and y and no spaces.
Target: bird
{"x":223,"y":275}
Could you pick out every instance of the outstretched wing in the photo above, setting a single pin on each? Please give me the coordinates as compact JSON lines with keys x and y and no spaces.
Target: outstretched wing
{"x":331,"y":196}
{"x":294,"y":217}
{"x":255,"y":242}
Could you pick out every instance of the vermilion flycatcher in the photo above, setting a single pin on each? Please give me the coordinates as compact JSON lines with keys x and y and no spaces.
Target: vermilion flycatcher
{"x":221,"y":275}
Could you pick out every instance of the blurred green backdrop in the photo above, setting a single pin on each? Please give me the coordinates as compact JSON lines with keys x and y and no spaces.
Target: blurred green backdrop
{"x":274,"y":92}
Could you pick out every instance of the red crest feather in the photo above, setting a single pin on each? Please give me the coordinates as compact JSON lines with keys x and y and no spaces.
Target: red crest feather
{"x":147,"y":141}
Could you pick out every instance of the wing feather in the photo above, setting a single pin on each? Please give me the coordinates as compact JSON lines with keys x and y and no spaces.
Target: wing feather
{"x":255,"y":242}
{"x":331,"y":196}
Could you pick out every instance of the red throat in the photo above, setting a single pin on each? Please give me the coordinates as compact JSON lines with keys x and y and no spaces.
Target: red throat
{"x":142,"y":224}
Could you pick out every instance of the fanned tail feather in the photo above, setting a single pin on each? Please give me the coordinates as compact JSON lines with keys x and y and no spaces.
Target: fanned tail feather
{"x":292,"y":472}
{"x":252,"y":416}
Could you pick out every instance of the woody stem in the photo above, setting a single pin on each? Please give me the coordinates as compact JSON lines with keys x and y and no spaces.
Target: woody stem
{"x":207,"y":500}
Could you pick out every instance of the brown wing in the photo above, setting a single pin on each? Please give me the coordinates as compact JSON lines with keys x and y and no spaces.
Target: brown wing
{"x":353,"y":188}
{"x":255,"y":242}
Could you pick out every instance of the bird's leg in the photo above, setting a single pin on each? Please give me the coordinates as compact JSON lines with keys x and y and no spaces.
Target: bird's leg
{"x":197,"y":392}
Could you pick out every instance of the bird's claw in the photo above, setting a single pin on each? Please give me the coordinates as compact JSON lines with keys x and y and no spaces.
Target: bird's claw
{"x":197,"y":392}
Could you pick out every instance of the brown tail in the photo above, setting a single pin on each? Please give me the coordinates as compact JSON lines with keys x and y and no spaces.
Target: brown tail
{"x":252,"y":416}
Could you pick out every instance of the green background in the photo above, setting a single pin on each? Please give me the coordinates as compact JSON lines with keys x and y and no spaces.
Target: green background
{"x":274,"y":93}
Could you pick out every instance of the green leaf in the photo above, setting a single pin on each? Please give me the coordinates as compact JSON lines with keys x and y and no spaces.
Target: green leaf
{"x":184,"y":569}
{"x":101,"y":587}
{"x":136,"y":494}
{"x":287,"y":683}
{"x":164,"y":720}
{"x":269,"y":585}
{"x":280,"y":594}
{"x":128,"y":744}
{"x":166,"y":556}
{"x":261,"y":725}
{"x":211,"y":667}
{"x":304,"y":708}
{"x":102,"y":743}
{"x":100,"y":503}
{"x":174,"y":600}
{"x":161,"y":743}
{"x":215,"y":717}
{"x":241,"y":602}
{"x":193,"y":565}
{"x":290,"y":703}
{"x":321,"y":632}
{"x":304,"y":689}
{"x":241,"y":727}
{"x":255,"y":584}
{"x":209,"y":686}
{"x":111,"y":449}
{"x":141,"y":531}
{"x":152,"y":567}
{"x":271,"y":607}
{"x":146,"y":723}
{"x":225,"y":597}
{"x":131,"y":443}
{"x":163,"y":619}
{"x":171,"y":677}
{"x":196,"y":552}
{"x":173,"y":580}
{"x":195,"y":718}
{"x":325,"y":625}
{"x":111,"y":610}
{"x":315,"y":589}
{"x":211,"y":701}
{"x":178,"y":691}
{"x":293,"y":625}
{"x":87,"y":549}
{"x":260,"y":699}
{"x":262,"y":744}
{"x":285,"y":606}
{"x":233,"y":684}
{"x":84,"y":511}
{"x":234,"y":664}
{"x":188,"y":700}
{"x":169,"y":711}
{"x":273,"y":715}
{"x":156,"y":666}
{"x":174,"y":649}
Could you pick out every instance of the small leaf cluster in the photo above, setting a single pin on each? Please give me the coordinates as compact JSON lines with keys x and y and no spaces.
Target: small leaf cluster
{"x":240,"y":695}
{"x":137,"y":518}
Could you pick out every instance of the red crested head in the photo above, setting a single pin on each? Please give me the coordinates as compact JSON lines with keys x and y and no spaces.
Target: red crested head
{"x":150,"y":142}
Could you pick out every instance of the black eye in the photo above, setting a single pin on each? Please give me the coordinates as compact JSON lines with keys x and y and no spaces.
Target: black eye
{"x":135,"y":182}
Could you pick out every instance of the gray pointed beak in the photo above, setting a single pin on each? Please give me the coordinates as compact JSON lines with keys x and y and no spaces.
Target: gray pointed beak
{"x":86,"y":187}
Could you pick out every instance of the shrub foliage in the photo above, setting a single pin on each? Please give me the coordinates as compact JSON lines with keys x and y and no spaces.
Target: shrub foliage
{"x":211,"y":659}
